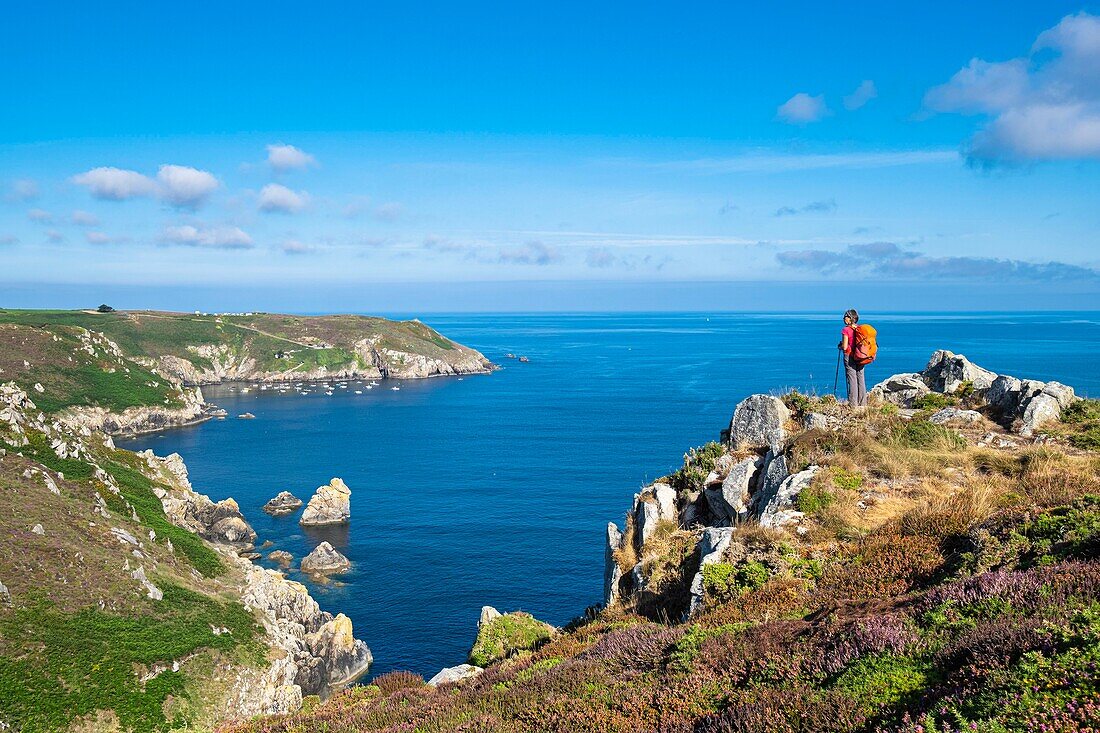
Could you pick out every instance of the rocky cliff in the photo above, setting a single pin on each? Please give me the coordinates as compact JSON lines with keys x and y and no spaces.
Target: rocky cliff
{"x":115,"y":553}
{"x":126,"y":373}
{"x":930,"y":564}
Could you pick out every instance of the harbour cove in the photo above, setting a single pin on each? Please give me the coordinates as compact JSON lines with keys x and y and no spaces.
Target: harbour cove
{"x":496,"y":489}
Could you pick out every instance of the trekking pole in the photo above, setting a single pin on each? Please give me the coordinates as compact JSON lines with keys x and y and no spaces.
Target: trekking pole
{"x":836,"y":378}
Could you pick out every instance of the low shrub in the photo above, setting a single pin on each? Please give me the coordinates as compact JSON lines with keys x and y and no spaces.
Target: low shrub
{"x":724,"y":581}
{"x":934,"y":401}
{"x":504,"y":636}
{"x":920,"y":433}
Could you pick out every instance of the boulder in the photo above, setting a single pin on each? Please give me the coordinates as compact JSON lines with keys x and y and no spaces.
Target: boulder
{"x":455,"y":674}
{"x":282,"y":557}
{"x":331,"y":504}
{"x":325,"y":560}
{"x":488,"y":615}
{"x":758,"y":422}
{"x":779,"y":510}
{"x":5,"y":595}
{"x":666,"y":502}
{"x":1041,"y":409}
{"x":730,"y":502}
{"x":900,"y":389}
{"x":771,"y":478}
{"x":954,"y":414}
{"x":612,"y":573}
{"x":946,"y":371}
{"x":1005,"y":394}
{"x":818,"y":421}
{"x":284,"y":503}
{"x":1060,"y":392}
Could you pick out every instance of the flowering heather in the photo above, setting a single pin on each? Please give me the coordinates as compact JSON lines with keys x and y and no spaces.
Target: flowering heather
{"x":638,"y":648}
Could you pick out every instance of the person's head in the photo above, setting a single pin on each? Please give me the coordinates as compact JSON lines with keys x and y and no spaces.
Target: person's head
{"x":851,"y":317}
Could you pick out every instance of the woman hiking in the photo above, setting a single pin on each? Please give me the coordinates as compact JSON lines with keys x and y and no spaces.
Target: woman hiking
{"x":854,"y":345}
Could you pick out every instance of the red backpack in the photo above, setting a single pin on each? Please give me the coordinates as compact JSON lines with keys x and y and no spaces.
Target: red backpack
{"x":864,"y":343}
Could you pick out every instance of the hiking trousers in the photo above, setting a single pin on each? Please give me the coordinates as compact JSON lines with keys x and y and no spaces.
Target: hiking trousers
{"x":857,"y":388}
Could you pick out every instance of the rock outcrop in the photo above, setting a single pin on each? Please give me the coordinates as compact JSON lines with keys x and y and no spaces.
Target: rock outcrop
{"x":219,"y":522}
{"x":330,"y":504}
{"x":758,"y":422}
{"x":457,"y":673}
{"x":325,"y":560}
{"x":900,"y":389}
{"x":947,"y":371}
{"x":282,"y":504}
{"x":144,"y":419}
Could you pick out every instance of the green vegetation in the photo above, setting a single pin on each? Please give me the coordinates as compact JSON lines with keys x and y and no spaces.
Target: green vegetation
{"x":698,"y":463}
{"x":883,"y":680}
{"x":934,"y":401}
{"x":726,"y":581}
{"x":813,"y":499}
{"x":918,"y":433}
{"x":137,"y":489}
{"x":1082,"y":418}
{"x":506,"y":635}
{"x":58,"y":667}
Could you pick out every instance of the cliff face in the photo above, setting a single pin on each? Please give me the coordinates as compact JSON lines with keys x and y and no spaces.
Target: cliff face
{"x":930,"y":564}
{"x":136,"y":372}
{"x":113,"y":562}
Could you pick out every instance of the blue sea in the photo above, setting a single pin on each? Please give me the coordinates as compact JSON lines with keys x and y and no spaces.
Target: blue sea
{"x":496,"y":489}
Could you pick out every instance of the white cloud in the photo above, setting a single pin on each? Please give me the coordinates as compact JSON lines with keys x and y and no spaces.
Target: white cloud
{"x":54,"y":237}
{"x":8,"y":239}
{"x":274,"y":197}
{"x":97,"y":237}
{"x":1042,"y":106}
{"x":185,"y":187}
{"x":287,"y":158}
{"x":24,"y":189}
{"x":863,"y":94}
{"x":40,"y":216}
{"x":84,"y":219}
{"x":228,"y":237}
{"x":116,"y":184}
{"x":802,"y":109}
{"x":294,"y":247}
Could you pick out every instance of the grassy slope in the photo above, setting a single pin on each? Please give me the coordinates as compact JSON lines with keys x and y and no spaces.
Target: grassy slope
{"x":940,"y":586}
{"x":79,"y":632}
{"x":152,"y":334}
{"x":56,"y":359}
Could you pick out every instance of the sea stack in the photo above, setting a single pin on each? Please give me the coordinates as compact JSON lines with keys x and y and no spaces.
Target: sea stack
{"x":325,"y":560}
{"x":284,"y":503}
{"x":331,"y":504}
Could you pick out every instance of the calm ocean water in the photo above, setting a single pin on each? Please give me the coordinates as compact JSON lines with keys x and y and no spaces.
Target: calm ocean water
{"x":496,"y":489}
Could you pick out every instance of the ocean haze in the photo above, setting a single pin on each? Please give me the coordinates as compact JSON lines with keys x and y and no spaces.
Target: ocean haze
{"x":496,"y":489}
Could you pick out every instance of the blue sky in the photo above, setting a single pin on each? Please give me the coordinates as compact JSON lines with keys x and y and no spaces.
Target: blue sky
{"x":416,"y":149}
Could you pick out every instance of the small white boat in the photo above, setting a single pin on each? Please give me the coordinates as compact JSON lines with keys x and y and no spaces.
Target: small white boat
{"x":374,"y":384}
{"x":395,"y":389}
{"x":328,"y":392}
{"x":358,"y":391}
{"x":369,"y":387}
{"x":245,"y":389}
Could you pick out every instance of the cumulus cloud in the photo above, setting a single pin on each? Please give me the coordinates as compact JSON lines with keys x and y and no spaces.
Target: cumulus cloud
{"x":529,"y":253}
{"x":814,"y":207}
{"x":863,"y":94}
{"x":294,"y":247}
{"x":185,"y":187}
{"x":54,"y":237}
{"x":439,"y":244}
{"x":23,"y":189}
{"x":8,"y":239}
{"x":1042,"y":106}
{"x":228,"y":237}
{"x":84,"y":219}
{"x":284,"y":158}
{"x":278,"y":198}
{"x":889,"y":260}
{"x":115,"y":184}
{"x":802,"y":109}
{"x":40,"y":216}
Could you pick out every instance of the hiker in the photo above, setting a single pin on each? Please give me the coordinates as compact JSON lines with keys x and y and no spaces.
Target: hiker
{"x":859,"y":347}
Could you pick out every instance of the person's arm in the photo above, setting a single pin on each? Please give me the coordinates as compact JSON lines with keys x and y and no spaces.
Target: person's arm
{"x":843,"y":345}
